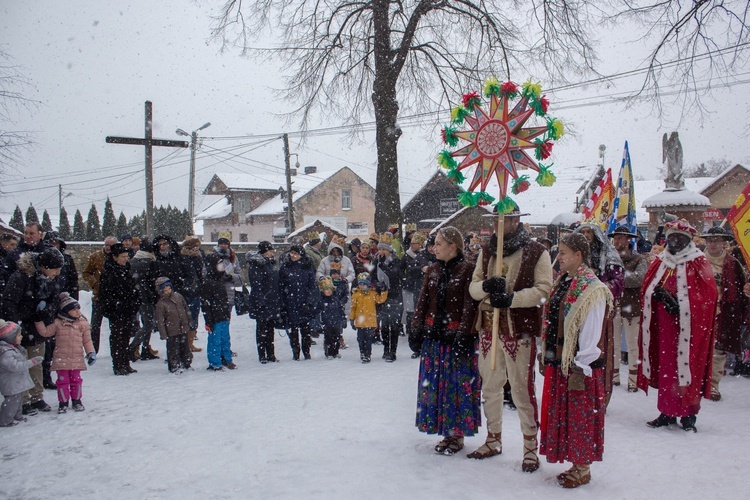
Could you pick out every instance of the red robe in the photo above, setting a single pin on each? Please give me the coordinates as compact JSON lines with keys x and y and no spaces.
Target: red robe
{"x":676,"y":400}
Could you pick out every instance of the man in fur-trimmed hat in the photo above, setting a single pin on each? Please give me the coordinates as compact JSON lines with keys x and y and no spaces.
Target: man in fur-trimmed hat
{"x":679,"y":297}
{"x":732,"y":303}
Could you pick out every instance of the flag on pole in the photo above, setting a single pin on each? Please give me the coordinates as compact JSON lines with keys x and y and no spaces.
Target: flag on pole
{"x":738,"y":218}
{"x":599,"y":207}
{"x":623,"y":209}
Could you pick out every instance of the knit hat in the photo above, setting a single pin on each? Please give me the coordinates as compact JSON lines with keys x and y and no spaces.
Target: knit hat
{"x":117,"y":249}
{"x":52,"y":236}
{"x":374,"y":238}
{"x":126,"y":236}
{"x":51,"y":258}
{"x":162,"y":282}
{"x":355,"y":242}
{"x":8,"y":331}
{"x":146,"y":245}
{"x":680,"y":227}
{"x":326,"y":283}
{"x":418,"y":237}
{"x":264,"y":246}
{"x":363,"y":279}
{"x":67,"y":303}
{"x":191,"y":242}
{"x":223,"y":241}
{"x":386,"y":239}
{"x":297,"y":248}
{"x":313,"y":238}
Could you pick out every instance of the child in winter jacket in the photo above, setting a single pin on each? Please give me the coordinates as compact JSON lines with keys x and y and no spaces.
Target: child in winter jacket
{"x":216,"y":315}
{"x":363,"y":316}
{"x":173,"y":321}
{"x":72,"y":332}
{"x":331,"y":314}
{"x":14,"y":373}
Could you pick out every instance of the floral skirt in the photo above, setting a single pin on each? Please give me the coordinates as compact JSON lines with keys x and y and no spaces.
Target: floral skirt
{"x":449,"y":392}
{"x":572,"y":421}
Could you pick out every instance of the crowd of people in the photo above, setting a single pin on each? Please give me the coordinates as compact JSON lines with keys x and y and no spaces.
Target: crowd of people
{"x":480,"y":315}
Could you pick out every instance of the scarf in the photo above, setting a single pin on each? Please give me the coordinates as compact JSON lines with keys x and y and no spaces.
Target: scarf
{"x":585,"y":292}
{"x":676,"y":262}
{"x":511,"y":243}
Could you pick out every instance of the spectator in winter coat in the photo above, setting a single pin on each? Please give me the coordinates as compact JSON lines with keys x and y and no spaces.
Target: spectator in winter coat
{"x":30,"y":295}
{"x":216,"y":315}
{"x":389,"y":275}
{"x":414,"y":264}
{"x":362,"y":262}
{"x":263,"y":278}
{"x":191,"y":252}
{"x":332,"y":315}
{"x":313,"y":249}
{"x":127,"y":241}
{"x":14,"y":373}
{"x":67,"y":282}
{"x":353,"y":247}
{"x":73,"y":334}
{"x":120,"y":302}
{"x":230,"y":267}
{"x":92,"y":273}
{"x":299,"y":298}
{"x":364,"y":316}
{"x":32,"y":242}
{"x":144,"y":272}
{"x":336,"y":254}
{"x":173,"y":321}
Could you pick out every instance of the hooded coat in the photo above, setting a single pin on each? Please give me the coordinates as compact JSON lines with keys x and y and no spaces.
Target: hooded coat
{"x":171,"y":313}
{"x":263,"y":278}
{"x":347,"y":268}
{"x":176,"y":267}
{"x":14,"y":369}
{"x":299,"y":295}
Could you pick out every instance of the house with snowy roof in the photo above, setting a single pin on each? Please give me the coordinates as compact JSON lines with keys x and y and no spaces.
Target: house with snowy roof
{"x":253,"y":207}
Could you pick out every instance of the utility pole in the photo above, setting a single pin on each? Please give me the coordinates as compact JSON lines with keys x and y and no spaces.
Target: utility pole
{"x":289,"y":203}
{"x":193,"y":149}
{"x":60,"y":199}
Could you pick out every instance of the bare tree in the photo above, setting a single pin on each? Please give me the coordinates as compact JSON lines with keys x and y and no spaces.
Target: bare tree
{"x":357,"y":58}
{"x":697,"y":45}
{"x":12,"y":142}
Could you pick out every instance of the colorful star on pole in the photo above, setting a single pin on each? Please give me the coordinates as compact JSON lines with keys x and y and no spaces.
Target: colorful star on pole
{"x":498,"y":141}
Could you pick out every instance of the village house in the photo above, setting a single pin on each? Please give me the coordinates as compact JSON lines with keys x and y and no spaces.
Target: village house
{"x":253,"y":207}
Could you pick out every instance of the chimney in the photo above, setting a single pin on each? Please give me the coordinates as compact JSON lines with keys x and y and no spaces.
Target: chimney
{"x":311,"y":170}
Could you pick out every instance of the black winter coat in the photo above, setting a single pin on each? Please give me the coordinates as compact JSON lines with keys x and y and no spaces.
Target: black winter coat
{"x":413,"y":275}
{"x":118,"y":295}
{"x":68,"y":277}
{"x":214,"y":297}
{"x":9,"y":265}
{"x":299,"y":292}
{"x":332,"y":313}
{"x":263,"y":278}
{"x":177,"y":268}
{"x":144,"y":272}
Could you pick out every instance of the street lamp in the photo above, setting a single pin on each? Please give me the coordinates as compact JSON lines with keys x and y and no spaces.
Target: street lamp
{"x":193,"y":147}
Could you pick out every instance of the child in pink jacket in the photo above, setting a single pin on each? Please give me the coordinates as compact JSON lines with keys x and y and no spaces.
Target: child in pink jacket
{"x":73,"y":338}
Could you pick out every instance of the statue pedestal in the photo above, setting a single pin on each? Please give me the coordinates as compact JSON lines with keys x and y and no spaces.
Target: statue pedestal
{"x":683,"y":203}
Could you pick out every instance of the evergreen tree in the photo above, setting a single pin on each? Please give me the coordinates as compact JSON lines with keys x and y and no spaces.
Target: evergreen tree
{"x":31,"y":215}
{"x":137,"y":225}
{"x":79,"y":229}
{"x":93,"y":226}
{"x":46,"y":222}
{"x":187,"y":222}
{"x":122,"y":225}
{"x":109,"y":224}
{"x":64,"y":227}
{"x":16,"y":221}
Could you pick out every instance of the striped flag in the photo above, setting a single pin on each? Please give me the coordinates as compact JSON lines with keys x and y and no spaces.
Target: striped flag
{"x":623,"y":210}
{"x":599,"y":206}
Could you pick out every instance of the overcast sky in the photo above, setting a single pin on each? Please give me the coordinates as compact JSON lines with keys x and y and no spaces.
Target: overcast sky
{"x":94,"y":64}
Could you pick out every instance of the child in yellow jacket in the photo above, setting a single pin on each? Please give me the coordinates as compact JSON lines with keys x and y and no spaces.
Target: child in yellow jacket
{"x":364,"y":316}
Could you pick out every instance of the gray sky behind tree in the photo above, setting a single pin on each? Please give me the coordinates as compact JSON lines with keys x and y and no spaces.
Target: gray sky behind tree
{"x":93,"y":65}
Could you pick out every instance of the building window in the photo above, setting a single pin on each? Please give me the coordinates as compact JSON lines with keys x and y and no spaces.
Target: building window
{"x":243,"y":237}
{"x":346,"y":199}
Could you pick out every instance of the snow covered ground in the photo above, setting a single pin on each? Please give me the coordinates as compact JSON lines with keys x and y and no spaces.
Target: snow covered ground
{"x":334,"y":429}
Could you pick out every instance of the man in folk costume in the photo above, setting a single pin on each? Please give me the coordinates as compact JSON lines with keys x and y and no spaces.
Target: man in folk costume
{"x":731,"y":305}
{"x":518,"y":296}
{"x":679,"y":297}
{"x":628,"y":311}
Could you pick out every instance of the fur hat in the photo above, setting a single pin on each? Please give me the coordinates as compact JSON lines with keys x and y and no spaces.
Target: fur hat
{"x":418,"y":237}
{"x":8,"y":331}
{"x":313,"y":238}
{"x":374,"y":238}
{"x":386,"y":241}
{"x":326,"y":283}
{"x":264,"y":246}
{"x":67,"y":302}
{"x":191,"y":242}
{"x":363,"y":279}
{"x":680,"y":227}
{"x":117,"y":249}
{"x":51,"y":258}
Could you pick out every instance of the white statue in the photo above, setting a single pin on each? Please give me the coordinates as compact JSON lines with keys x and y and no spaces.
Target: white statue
{"x":672,"y":154}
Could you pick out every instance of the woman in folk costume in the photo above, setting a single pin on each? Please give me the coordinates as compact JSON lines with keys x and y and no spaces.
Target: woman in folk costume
{"x":448,"y":392}
{"x":575,"y":346}
{"x":679,"y":297}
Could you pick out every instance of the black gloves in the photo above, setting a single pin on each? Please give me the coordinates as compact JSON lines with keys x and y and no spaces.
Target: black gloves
{"x":494,"y":285}
{"x":666,"y":298}
{"x":464,"y":344}
{"x":501,"y":299}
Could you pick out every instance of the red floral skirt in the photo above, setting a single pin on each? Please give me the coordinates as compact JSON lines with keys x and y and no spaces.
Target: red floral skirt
{"x":572,"y":422}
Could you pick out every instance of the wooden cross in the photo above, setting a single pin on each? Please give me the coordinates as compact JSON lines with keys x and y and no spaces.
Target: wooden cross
{"x":148,"y":141}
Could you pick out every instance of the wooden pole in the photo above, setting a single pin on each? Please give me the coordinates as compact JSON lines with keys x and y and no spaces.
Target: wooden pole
{"x":498,"y":273}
